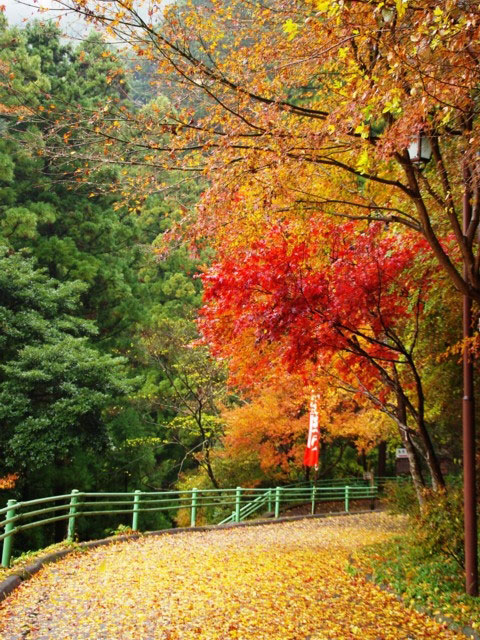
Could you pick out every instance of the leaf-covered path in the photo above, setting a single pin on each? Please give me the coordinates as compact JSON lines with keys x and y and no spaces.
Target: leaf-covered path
{"x":282,"y":582}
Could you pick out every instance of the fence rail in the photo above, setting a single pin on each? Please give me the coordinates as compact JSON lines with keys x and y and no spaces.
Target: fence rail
{"x":239,"y":503}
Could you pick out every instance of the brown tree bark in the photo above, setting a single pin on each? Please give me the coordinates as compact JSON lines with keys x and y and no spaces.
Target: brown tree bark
{"x":415,"y":469}
{"x":382,"y":459}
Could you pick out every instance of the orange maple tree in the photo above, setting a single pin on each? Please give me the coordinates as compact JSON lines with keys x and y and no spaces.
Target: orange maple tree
{"x":273,"y":425}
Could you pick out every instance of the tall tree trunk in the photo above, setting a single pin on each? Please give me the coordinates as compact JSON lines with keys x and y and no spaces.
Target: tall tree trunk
{"x":438,"y":481}
{"x":382,"y":459}
{"x":415,"y":469}
{"x":433,"y":464}
{"x":208,"y":467}
{"x":206,"y":449}
{"x":363,"y":459}
{"x":428,"y":452}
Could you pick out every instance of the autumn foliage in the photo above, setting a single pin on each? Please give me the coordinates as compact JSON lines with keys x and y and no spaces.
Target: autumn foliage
{"x":316,"y":101}
{"x":9,"y":481}
{"x":331,"y":291}
{"x":272,"y":427}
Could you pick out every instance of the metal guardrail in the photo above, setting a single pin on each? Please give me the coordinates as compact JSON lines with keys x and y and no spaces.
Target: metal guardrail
{"x":271,"y":499}
{"x":20,"y":516}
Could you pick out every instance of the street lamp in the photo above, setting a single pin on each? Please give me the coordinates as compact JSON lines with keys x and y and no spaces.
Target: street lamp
{"x":420,"y":152}
{"x":420,"y":149}
{"x":388,"y":13}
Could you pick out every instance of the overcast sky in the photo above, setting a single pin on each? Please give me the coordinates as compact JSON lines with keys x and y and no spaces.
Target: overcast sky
{"x":72,"y":25}
{"x":20,"y":12}
{"x":15,"y":12}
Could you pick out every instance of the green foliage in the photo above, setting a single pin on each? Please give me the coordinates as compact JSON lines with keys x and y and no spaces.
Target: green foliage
{"x":69,"y":354}
{"x":438,"y":527}
{"x":53,"y":385}
{"x":55,"y":56}
{"x":186,"y":382}
{"x":425,"y":564}
{"x":54,"y":397}
{"x":121,"y":530}
{"x":211,"y":427}
{"x":239,"y":471}
{"x":435,"y":582}
{"x":400,"y":497}
{"x":26,"y":82}
{"x":74,"y":236}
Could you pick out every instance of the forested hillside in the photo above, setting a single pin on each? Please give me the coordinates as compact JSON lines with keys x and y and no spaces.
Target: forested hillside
{"x":94,"y":326}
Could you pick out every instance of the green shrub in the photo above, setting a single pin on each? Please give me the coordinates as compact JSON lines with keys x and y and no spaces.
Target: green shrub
{"x":425,"y":565}
{"x":121,"y":530}
{"x":438,"y":528}
{"x":400,"y":497}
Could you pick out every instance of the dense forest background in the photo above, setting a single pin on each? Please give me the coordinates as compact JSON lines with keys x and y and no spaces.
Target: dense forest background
{"x":94,"y":360}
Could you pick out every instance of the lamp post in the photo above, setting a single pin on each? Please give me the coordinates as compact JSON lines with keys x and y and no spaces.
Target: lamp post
{"x":420,"y":152}
{"x":468,"y":427}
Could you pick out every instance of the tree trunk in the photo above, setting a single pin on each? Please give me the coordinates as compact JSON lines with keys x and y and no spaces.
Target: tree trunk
{"x":211,"y":475}
{"x":363,"y":459}
{"x":382,"y":459}
{"x":438,"y":481}
{"x":415,"y":469}
{"x":428,"y":452}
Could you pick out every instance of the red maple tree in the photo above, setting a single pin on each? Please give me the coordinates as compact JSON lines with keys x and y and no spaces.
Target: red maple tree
{"x":349,"y":293}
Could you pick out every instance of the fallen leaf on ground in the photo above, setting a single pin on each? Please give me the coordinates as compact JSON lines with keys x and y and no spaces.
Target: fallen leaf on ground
{"x":278,"y":582}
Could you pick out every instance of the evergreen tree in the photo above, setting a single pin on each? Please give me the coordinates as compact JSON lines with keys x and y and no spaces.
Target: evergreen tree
{"x":54,"y":386}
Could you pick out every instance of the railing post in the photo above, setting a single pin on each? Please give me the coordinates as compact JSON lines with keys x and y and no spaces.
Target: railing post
{"x":269,"y":498}
{"x":238,"y":498}
{"x":347,"y":498}
{"x":193,"y":512}
{"x":71,"y":515}
{"x":7,"y":542}
{"x":314,"y":490}
{"x":136,"y":505}
{"x":277,"y":501}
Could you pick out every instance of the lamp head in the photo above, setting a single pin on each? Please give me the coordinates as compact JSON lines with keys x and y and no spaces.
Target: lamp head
{"x":388,"y":13}
{"x":420,"y":149}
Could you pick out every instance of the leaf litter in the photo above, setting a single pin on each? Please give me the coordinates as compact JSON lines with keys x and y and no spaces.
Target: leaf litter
{"x":289,"y":581}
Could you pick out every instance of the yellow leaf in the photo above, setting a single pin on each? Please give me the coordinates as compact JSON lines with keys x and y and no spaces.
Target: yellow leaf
{"x":290,"y":28}
{"x":401,"y":6}
{"x":362,"y":162}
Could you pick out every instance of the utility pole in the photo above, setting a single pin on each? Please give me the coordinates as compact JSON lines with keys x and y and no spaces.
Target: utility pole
{"x":468,"y":424}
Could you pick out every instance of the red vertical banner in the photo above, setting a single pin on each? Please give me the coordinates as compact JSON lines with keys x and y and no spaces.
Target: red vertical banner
{"x":310,"y":458}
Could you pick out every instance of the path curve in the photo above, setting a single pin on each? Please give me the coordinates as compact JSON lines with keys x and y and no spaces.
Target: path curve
{"x":284,"y":582}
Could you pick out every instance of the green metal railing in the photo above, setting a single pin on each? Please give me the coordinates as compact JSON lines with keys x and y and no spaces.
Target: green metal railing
{"x":273,"y":499}
{"x":243,"y":503}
